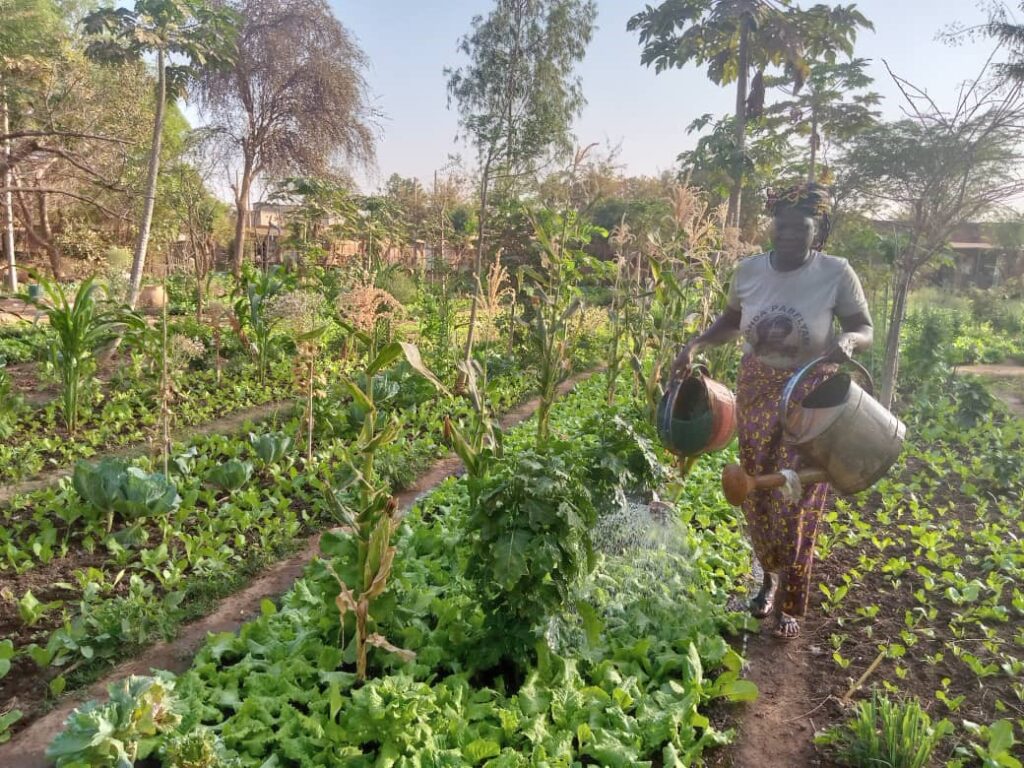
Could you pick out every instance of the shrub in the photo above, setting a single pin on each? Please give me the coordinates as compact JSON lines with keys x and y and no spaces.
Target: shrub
{"x":1003,"y":313}
{"x":401,"y":285}
{"x":530,"y":526}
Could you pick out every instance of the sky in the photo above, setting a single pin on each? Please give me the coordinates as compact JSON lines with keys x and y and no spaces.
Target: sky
{"x":410,"y":42}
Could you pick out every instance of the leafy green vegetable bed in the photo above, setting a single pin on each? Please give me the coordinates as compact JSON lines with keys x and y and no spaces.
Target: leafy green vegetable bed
{"x":624,"y":680}
{"x":130,"y":414}
{"x":924,"y":575}
{"x":78,"y":592}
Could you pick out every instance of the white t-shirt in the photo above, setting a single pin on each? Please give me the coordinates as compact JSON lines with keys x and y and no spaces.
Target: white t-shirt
{"x":788,"y":317}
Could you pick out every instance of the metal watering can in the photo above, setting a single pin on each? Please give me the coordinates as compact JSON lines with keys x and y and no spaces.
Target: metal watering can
{"x":841,"y":432}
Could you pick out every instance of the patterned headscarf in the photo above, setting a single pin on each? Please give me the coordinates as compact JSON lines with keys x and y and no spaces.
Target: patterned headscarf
{"x":812,"y":199}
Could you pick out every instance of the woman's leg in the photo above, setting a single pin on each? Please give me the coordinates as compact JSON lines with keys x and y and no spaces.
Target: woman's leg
{"x":763,"y":604}
{"x":801,"y":534}
{"x":756,"y":439}
{"x":796,"y":577}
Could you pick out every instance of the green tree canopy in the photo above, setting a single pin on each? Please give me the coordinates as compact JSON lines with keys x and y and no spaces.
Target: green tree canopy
{"x":731,"y":37}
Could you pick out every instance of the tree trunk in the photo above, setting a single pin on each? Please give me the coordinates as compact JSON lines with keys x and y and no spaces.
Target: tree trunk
{"x":41,"y":238}
{"x":811,"y":173}
{"x":478,"y":262}
{"x":5,"y":128}
{"x":52,"y":251}
{"x":241,"y":215}
{"x":891,"y":364}
{"x":733,"y":214}
{"x":145,"y":225}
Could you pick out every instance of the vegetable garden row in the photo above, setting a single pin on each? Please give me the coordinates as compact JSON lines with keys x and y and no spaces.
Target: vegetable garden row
{"x":922,"y":582}
{"x":458,"y":673}
{"x":494,"y":666}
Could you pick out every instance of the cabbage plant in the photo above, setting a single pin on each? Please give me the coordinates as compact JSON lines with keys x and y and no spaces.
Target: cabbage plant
{"x":270,"y":447}
{"x":121,"y":731}
{"x":231,"y":475}
{"x":113,"y":488}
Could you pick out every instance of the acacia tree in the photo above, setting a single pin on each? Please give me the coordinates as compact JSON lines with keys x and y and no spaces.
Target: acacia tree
{"x":28,"y":29}
{"x":294,"y":101}
{"x":732,"y":37}
{"x":186,"y":37}
{"x":518,"y":94}
{"x":77,"y":165}
{"x":937,"y":169}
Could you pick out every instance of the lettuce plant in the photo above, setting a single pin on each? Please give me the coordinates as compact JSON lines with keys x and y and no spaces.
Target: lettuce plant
{"x":117,"y":733}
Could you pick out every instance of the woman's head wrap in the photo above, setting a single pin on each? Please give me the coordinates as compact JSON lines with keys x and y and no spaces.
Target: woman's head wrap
{"x":811,"y":199}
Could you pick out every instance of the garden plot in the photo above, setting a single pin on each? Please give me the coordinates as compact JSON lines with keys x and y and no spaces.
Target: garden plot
{"x":78,"y":595}
{"x":630,"y":671}
{"x":921,"y":587}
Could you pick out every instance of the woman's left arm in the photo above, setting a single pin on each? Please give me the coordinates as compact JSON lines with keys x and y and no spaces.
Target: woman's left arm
{"x":858,"y":334}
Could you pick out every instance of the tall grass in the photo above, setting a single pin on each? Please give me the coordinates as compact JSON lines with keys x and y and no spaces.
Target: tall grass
{"x":886,"y":733}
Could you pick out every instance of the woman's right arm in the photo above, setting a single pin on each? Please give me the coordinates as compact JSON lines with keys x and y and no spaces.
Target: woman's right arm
{"x":725,"y":329}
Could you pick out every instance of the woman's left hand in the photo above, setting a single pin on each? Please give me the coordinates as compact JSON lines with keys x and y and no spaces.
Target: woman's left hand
{"x":842,"y":349}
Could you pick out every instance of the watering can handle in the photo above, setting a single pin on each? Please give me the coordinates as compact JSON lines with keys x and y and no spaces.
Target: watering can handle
{"x":794,"y":382}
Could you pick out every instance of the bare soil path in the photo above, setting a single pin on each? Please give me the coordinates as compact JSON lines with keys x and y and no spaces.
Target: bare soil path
{"x":1006,"y":381}
{"x":27,"y":749}
{"x":777,"y":730}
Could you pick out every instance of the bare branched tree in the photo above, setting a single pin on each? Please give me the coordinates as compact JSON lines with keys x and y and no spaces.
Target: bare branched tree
{"x":936,"y":169}
{"x":295,"y":101}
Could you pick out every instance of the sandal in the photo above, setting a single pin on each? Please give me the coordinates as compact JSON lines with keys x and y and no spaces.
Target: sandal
{"x":763,"y":604}
{"x":786,"y":628}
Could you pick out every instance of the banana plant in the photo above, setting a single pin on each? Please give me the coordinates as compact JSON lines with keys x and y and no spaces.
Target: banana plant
{"x":363,"y":555}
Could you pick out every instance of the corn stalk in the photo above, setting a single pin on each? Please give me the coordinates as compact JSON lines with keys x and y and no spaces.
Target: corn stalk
{"x":367,"y":507}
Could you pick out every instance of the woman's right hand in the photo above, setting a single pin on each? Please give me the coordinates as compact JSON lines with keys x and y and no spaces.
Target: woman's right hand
{"x":684,"y":360}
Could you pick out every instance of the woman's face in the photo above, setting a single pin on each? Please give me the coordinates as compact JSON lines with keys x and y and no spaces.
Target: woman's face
{"x":793,"y":233}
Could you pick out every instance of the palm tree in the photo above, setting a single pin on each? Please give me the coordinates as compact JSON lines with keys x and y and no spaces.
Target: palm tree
{"x":732,"y":37}
{"x":185,"y":36}
{"x":834,"y":105}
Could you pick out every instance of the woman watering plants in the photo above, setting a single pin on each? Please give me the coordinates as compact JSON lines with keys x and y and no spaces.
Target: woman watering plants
{"x":784,"y":304}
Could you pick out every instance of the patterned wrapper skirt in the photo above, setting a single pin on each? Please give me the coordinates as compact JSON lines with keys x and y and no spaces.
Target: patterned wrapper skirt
{"x":783,"y":533}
